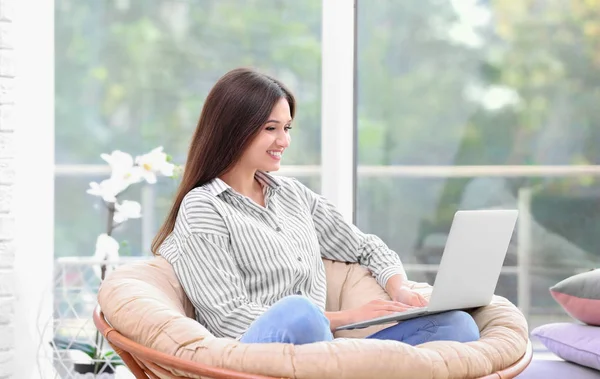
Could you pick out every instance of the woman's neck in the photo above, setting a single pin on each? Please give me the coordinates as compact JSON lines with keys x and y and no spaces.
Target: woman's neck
{"x":242,"y":181}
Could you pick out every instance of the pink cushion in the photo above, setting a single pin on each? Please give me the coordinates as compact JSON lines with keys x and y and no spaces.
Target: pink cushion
{"x":584,"y":310}
{"x":579,"y":296}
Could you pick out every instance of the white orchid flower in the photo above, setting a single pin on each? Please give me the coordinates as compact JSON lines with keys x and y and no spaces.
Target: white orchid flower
{"x":118,"y":159}
{"x":126,"y":210}
{"x":122,"y":167}
{"x":154,"y":162}
{"x":107,"y":248}
{"x":107,"y":189}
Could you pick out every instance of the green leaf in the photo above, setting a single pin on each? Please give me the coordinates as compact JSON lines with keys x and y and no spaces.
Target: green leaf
{"x":64,"y":343}
{"x":113,"y":358}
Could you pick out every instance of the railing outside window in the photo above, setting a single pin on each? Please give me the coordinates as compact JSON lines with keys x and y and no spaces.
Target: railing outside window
{"x":522,"y":270}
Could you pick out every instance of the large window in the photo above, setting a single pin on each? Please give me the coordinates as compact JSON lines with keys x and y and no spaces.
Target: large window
{"x":482,"y":104}
{"x":461,"y":104}
{"x":132,"y":75}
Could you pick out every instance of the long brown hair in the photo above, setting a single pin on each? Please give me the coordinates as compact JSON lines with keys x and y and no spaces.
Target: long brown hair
{"x":234,"y":112}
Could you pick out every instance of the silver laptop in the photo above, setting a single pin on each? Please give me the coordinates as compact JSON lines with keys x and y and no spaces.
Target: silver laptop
{"x":470,"y":265}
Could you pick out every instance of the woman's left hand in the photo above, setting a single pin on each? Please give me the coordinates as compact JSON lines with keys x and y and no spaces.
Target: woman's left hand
{"x":399,"y":292}
{"x":409,"y":297}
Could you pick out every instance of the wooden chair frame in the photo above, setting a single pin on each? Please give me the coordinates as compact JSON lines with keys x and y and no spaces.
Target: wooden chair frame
{"x":143,"y":361}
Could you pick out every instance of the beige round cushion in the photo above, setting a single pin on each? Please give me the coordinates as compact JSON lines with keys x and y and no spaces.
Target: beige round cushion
{"x":145,"y":302}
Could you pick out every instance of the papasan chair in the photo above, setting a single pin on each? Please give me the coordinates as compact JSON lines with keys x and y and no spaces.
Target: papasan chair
{"x":146,"y":317}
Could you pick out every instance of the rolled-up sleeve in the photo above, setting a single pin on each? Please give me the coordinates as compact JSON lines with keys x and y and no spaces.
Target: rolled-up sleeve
{"x":211,"y":280}
{"x":343,"y":241}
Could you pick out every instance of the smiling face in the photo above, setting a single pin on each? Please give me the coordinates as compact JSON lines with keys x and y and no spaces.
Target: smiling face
{"x":266,"y":150}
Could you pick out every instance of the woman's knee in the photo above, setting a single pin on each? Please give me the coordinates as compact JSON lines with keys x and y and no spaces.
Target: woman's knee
{"x":457,"y":326}
{"x":303,"y":320}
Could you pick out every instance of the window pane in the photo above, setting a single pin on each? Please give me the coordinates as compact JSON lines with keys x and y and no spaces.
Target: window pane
{"x":445,"y":82}
{"x":133,"y":74}
{"x":461,"y":83}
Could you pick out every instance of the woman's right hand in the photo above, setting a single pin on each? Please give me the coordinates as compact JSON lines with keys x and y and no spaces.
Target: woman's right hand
{"x":374,"y":309}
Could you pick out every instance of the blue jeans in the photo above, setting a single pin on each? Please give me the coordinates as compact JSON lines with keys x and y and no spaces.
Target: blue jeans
{"x":296,"y":320}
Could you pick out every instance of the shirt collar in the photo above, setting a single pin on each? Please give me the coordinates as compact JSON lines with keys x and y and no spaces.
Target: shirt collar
{"x":217,"y":186}
{"x":268,"y":180}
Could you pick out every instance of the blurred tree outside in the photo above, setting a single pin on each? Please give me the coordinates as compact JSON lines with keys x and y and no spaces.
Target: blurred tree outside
{"x":470,"y":82}
{"x":133,"y":74}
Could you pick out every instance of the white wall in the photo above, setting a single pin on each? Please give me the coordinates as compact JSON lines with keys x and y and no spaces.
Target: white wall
{"x":7,"y":193}
{"x":26,"y":53}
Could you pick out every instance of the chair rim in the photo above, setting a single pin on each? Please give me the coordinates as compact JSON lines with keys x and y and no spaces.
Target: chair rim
{"x":516,"y":368}
{"x":116,"y":339}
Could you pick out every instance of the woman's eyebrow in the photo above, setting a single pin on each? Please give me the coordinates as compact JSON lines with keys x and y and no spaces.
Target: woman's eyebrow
{"x":277,"y":121}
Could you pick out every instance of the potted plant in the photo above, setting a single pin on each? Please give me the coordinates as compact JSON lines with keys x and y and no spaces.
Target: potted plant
{"x":125,"y":171}
{"x":100,"y":365}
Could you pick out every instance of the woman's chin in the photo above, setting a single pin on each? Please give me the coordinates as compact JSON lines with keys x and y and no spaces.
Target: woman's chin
{"x":271,"y":167}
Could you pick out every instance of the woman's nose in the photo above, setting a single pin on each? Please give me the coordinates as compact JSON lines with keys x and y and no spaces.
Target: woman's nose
{"x":283,"y":141}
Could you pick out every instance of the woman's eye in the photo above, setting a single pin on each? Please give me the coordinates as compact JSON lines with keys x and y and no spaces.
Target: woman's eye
{"x":271,"y":128}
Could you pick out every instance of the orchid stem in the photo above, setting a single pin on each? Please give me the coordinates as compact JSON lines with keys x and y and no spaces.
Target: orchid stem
{"x":110,"y":226}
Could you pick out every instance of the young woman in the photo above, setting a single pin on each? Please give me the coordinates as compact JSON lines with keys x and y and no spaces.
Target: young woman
{"x":247,"y":246}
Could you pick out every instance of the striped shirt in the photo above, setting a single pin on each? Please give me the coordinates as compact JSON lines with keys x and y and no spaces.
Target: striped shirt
{"x":235,"y":258}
